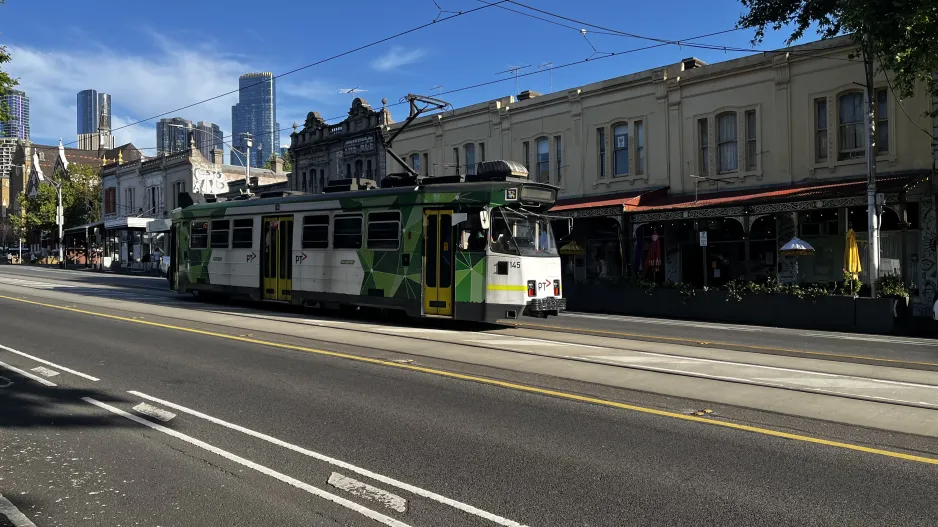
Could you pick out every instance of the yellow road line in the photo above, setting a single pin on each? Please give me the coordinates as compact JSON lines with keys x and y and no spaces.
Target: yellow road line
{"x":698,"y":342}
{"x":502,"y":384}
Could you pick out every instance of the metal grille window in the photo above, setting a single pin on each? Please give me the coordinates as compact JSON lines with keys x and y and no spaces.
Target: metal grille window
{"x":198,"y":235}
{"x":621,"y":150}
{"x":882,"y":122}
{"x":751,"y":151}
{"x":220,"y":234}
{"x":703,"y":136}
{"x":384,"y":231}
{"x":727,"y":147}
{"x":347,"y":232}
{"x":242,"y":234}
{"x":820,"y":130}
{"x":852,"y":138}
{"x":316,"y":232}
{"x":543,"y":160}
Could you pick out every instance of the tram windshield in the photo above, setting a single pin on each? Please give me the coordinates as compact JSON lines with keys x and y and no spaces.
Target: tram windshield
{"x":521,"y":233}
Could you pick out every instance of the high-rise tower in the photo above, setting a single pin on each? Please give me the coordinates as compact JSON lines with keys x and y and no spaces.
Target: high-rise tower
{"x":256,"y":113}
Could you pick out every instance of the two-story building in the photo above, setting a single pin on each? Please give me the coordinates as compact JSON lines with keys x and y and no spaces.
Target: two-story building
{"x":716,"y":165}
{"x":350,"y":150}
{"x":137,"y":199}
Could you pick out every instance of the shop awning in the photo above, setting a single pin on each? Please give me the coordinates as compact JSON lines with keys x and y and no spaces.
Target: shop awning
{"x":159,"y":226}
{"x":82,"y":228}
{"x":127,"y":223}
{"x":887,"y":183}
{"x":616,"y":203}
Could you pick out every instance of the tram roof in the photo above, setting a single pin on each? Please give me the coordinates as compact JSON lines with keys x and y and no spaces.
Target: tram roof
{"x":461,"y":191}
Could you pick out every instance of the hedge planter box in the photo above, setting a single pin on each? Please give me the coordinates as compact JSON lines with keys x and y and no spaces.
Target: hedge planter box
{"x":832,"y":313}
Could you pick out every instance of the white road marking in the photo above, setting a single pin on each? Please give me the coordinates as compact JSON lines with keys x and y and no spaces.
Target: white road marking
{"x":366,"y":491}
{"x":368,"y":513}
{"x":154,"y":412}
{"x":47,"y":363}
{"x":45,"y":372}
{"x":341,"y":464}
{"x":13,"y":514}
{"x":27,"y":374}
{"x":416,"y":330}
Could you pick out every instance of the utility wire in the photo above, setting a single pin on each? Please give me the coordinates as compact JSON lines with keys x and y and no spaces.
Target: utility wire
{"x":317,"y":63}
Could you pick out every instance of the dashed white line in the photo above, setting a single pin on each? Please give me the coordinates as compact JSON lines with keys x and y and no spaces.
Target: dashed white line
{"x":469,"y":509}
{"x":47,"y":363}
{"x":366,"y":491}
{"x":154,"y":412}
{"x":338,"y":500}
{"x":13,"y":514}
{"x":45,"y":372}
{"x":25,"y":373}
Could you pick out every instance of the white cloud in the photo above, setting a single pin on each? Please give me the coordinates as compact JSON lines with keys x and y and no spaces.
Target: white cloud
{"x":140,"y":86}
{"x":396,"y":57}
{"x":311,"y":91}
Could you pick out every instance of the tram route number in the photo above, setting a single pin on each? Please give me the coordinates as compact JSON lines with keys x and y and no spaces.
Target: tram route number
{"x":513,"y":265}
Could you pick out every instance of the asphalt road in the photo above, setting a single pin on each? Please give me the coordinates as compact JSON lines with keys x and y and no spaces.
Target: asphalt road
{"x":894,"y":351}
{"x":444,"y":450}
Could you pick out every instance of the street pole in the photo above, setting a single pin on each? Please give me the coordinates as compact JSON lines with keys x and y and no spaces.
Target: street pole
{"x":247,"y":165}
{"x":59,"y":218}
{"x":871,"y":205}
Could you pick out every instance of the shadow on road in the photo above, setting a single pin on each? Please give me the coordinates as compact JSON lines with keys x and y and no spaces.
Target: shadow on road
{"x":27,"y":404}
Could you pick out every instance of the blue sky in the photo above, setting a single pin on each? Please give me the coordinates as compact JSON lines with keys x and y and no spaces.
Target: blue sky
{"x":156,"y":60}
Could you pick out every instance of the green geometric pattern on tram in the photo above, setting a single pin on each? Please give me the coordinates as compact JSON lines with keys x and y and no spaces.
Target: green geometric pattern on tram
{"x":384,"y":270}
{"x":470,"y":277}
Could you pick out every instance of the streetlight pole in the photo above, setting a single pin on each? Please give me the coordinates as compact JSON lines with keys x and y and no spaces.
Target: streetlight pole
{"x":248,"y":143}
{"x":60,"y":220}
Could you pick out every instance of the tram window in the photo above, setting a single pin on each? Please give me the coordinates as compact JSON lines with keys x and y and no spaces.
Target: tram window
{"x":471,"y":233}
{"x":220,"y":234}
{"x":198,"y":235}
{"x":316,"y":232}
{"x":347,"y":232}
{"x":384,"y":231}
{"x":242,"y":235}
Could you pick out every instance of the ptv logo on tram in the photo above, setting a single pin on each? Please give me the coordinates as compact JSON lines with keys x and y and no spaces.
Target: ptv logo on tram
{"x":545,"y":285}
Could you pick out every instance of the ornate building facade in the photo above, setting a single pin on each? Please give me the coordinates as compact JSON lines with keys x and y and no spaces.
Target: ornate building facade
{"x":350,"y":150}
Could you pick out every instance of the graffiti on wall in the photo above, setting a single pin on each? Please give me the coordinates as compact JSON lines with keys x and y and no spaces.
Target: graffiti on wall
{"x":208,"y":182}
{"x":927,"y":282}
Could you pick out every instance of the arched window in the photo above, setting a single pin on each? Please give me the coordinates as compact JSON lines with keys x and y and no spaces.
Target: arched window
{"x":358,"y":168}
{"x":543,"y":160}
{"x":620,"y":143}
{"x":415,"y":162}
{"x":851,"y":136}
{"x":727,"y":147}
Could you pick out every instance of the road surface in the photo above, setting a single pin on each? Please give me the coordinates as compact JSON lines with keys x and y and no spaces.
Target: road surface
{"x":129,"y":405}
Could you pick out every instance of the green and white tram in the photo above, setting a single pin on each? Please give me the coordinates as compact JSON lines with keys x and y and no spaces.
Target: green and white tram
{"x":479,"y":248}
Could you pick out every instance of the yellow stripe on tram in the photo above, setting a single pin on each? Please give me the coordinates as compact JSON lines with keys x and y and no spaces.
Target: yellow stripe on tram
{"x":497,"y":287}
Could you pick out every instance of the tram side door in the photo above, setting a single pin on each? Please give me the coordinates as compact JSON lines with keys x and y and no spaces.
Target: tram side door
{"x":438,"y":262}
{"x":276,"y":257}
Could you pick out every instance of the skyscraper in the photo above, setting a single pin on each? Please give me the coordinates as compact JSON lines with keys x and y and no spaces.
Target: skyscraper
{"x":172,"y":135}
{"x":18,"y":125}
{"x":204,"y":136}
{"x":94,"y":111}
{"x":94,"y":120}
{"x":256,"y":113}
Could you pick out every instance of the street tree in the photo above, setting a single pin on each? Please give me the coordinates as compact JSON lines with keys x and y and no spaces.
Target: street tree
{"x":899,"y":39}
{"x":81,"y":201}
{"x":6,"y":83}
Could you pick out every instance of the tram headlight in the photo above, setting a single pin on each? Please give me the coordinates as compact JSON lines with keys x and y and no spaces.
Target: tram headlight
{"x":532,"y":288}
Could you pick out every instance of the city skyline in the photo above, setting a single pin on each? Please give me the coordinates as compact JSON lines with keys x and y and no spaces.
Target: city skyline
{"x":172,"y":135}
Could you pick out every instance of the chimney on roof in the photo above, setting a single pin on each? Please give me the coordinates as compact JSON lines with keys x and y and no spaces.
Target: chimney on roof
{"x":218,"y":156}
{"x":528,"y":94}
{"x":692,"y":63}
{"x":277,"y":164}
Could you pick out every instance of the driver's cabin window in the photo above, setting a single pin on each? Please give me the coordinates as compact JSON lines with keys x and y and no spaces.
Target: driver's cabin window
{"x":471,"y":233}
